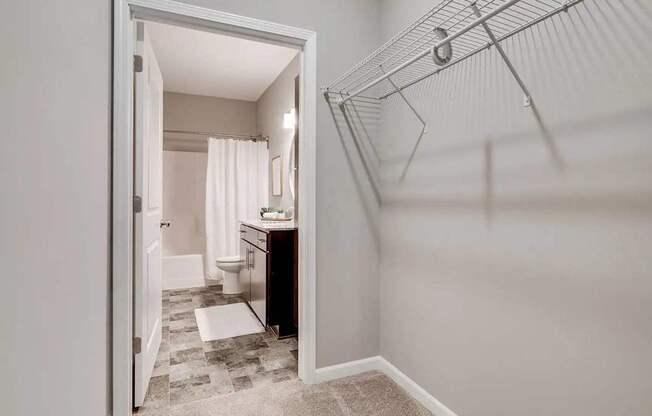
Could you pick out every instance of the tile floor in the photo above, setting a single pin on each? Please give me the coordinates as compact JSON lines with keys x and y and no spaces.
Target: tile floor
{"x":251,"y":375}
{"x":188,"y":369}
{"x":368,"y":394}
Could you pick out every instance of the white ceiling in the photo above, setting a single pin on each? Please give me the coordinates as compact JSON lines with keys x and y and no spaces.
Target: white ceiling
{"x":211,"y":64}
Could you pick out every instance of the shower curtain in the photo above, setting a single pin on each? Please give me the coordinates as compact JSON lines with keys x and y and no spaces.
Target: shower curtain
{"x":236,"y":189}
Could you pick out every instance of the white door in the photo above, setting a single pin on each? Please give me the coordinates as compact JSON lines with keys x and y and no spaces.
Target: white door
{"x":148,"y":149}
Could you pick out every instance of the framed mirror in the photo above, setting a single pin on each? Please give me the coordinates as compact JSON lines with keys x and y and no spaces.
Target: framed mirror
{"x":291,"y":170}
{"x":277,"y":183}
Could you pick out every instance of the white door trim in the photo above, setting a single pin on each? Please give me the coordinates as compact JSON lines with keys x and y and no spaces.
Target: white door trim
{"x":122,"y":175}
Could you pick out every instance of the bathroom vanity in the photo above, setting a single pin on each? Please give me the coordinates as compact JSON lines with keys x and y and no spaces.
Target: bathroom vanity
{"x":268,"y":276}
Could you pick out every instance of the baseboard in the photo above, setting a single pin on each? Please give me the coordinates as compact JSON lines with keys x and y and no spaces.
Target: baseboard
{"x":350,"y":368}
{"x":380,"y":364}
{"x":416,"y":391}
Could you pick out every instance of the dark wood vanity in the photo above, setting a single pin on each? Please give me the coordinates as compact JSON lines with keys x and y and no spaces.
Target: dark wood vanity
{"x":268,"y":277}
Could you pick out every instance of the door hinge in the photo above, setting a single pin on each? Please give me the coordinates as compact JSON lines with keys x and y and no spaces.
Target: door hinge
{"x":138,"y":63}
{"x":138,"y":204}
{"x":137,"y":345}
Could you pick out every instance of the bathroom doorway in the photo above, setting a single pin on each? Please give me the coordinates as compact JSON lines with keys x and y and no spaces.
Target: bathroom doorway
{"x":189,"y":343}
{"x":214,"y":283}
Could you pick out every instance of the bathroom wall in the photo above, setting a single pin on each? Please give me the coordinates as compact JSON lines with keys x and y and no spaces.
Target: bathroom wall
{"x":55,"y":112}
{"x":201,"y":113}
{"x":184,"y":190}
{"x":278,"y":99}
{"x":515,"y":272}
{"x":185,"y":158}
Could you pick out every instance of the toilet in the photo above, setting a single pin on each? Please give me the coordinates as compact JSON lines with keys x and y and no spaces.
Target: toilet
{"x":231,"y":267}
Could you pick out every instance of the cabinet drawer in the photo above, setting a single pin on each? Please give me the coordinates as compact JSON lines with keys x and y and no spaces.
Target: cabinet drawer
{"x":261,"y":240}
{"x":248,"y":233}
{"x":254,"y":236}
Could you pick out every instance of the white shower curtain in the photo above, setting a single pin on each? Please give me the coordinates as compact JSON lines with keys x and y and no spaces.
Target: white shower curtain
{"x":236,"y":189}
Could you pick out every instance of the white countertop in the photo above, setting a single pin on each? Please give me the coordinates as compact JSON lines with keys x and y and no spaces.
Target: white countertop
{"x":271,"y":225}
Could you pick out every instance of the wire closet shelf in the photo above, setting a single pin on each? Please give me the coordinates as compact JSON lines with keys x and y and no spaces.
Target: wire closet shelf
{"x":407,"y":58}
{"x":451,"y":32}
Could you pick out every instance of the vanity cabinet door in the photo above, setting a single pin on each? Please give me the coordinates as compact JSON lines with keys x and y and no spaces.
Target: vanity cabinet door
{"x":258,"y":302}
{"x":245,"y":272}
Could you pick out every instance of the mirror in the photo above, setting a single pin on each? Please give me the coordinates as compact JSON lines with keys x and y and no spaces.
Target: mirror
{"x":291,"y":171}
{"x":277,"y":184}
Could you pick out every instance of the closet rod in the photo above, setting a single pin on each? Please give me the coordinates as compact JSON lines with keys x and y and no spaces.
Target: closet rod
{"x":427,"y":52}
{"x":562,"y":8}
{"x":219,"y":135}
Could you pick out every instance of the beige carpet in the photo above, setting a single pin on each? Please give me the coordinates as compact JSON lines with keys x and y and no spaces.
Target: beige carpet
{"x":368,"y":394}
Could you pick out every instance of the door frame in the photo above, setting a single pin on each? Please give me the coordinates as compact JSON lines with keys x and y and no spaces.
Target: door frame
{"x":173,"y":12}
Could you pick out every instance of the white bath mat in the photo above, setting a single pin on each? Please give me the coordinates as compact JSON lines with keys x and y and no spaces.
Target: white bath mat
{"x":226,"y":321}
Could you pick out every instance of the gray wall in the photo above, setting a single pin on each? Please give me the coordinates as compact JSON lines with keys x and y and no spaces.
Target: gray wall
{"x":55,"y":84}
{"x":184,"y":202}
{"x":277,"y":100}
{"x":510,"y":286}
{"x":205,"y":114}
{"x":55,"y":208}
{"x":533,"y":301}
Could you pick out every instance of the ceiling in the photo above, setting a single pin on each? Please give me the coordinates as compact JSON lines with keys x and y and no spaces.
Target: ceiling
{"x":216,"y":65}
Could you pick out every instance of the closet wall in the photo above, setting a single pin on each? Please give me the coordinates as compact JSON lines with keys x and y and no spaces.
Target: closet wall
{"x":512,"y":284}
{"x":55,"y":177}
{"x":184,"y":162}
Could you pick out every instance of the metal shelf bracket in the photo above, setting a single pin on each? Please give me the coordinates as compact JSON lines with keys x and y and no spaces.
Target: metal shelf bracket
{"x":527,"y":97}
{"x":342,"y":106}
{"x":424,"y":125}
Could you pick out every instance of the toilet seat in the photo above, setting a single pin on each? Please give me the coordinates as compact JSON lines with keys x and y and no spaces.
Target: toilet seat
{"x":228,"y":259}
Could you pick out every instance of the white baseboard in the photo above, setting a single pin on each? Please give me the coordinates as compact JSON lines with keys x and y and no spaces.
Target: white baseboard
{"x":380,"y":364}
{"x":350,"y":368}
{"x":417,"y":392}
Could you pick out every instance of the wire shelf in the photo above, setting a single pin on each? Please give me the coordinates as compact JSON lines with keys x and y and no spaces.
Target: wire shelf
{"x":448,"y":34}
{"x":406,"y":59}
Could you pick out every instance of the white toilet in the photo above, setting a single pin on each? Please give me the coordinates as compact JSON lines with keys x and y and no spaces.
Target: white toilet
{"x":231,"y":267}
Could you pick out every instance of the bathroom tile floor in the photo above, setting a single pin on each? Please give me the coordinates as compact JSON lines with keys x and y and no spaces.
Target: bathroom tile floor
{"x":188,"y":369}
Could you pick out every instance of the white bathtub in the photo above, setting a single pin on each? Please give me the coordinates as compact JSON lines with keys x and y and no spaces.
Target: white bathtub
{"x":183,"y":271}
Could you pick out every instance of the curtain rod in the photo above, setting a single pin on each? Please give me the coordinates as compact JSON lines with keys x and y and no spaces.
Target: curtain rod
{"x":219,"y":135}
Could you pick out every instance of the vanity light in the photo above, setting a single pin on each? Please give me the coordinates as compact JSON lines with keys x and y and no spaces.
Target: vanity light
{"x":290,"y":119}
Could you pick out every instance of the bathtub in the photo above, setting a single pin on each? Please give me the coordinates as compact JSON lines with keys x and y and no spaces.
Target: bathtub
{"x":183,"y":271}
